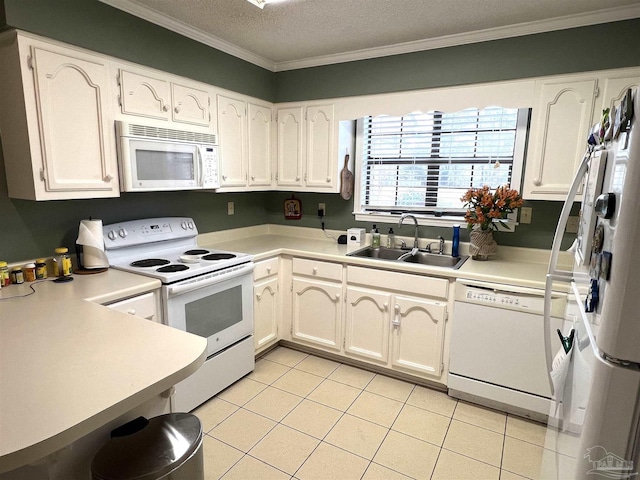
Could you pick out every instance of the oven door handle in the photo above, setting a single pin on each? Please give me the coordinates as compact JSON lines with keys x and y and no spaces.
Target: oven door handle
{"x":207,"y":280}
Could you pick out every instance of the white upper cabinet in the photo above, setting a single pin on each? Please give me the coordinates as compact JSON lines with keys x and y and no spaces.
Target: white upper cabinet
{"x":260,"y":126}
{"x":307,"y":152}
{"x":614,"y":87}
{"x":155,"y":98}
{"x":232,"y":137}
{"x":56,"y":123}
{"x":245,"y":132}
{"x":560,"y":121}
{"x":290,"y":147}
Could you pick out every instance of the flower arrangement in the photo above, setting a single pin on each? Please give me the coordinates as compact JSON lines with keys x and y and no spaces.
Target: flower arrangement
{"x":484,"y":206}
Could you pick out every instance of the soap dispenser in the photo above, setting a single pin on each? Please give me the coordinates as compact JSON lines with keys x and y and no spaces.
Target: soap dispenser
{"x":375,"y":237}
{"x":391,"y":239}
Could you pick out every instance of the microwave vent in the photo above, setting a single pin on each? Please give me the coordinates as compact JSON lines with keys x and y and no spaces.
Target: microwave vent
{"x":162,"y":133}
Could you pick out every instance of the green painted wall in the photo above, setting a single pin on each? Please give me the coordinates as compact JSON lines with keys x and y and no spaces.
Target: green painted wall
{"x":597,"y":47}
{"x":30,"y":229}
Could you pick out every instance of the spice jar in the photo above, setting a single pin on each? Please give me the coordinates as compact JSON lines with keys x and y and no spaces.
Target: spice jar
{"x":30,"y":272}
{"x":62,"y":262}
{"x":17,"y":276}
{"x":4,"y":274}
{"x":41,"y":269}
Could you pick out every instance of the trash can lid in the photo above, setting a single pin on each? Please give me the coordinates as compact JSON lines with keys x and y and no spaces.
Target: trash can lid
{"x":150,"y":453}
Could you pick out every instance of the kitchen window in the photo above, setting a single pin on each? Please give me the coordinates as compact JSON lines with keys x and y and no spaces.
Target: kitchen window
{"x":424,"y":162}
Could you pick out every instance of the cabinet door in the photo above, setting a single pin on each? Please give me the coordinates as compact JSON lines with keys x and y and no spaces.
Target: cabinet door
{"x":190,"y":105}
{"x":75,"y":130}
{"x":417,"y":335}
{"x":560,"y":123}
{"x":367,"y":324}
{"x":321,"y":163}
{"x":317,"y":316}
{"x":265,"y":312}
{"x":290,"y":147}
{"x":144,"y":96}
{"x":259,"y":145}
{"x":232,"y":129}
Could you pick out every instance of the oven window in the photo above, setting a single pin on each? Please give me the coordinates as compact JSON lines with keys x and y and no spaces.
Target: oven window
{"x":159,"y":165}
{"x":215,"y":313}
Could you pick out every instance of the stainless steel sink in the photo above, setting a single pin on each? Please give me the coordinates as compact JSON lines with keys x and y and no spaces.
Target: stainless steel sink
{"x":421,"y":257}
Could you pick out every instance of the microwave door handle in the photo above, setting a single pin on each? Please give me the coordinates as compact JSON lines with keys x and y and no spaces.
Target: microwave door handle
{"x":200,"y":167}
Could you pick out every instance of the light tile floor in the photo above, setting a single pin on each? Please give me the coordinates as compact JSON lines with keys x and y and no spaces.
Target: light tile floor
{"x":297,"y":416}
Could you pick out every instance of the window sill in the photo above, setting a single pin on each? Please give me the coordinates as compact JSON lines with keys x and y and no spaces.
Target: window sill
{"x":427,"y":220}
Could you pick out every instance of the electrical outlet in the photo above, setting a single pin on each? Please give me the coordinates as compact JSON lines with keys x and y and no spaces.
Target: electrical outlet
{"x":572,"y":225}
{"x":525,"y":214}
{"x":321,"y":206}
{"x":231,"y":209}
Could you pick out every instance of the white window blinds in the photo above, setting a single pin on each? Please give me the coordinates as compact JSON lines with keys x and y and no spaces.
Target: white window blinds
{"x":424,"y":162}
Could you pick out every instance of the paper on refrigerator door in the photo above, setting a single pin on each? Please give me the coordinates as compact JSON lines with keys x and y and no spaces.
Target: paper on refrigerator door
{"x":559,"y":372}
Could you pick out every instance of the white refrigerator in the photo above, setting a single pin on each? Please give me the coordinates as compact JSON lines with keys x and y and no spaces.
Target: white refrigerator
{"x":594,"y":423}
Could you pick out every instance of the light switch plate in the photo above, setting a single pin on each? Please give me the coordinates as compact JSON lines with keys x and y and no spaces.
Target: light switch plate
{"x":572,"y":225}
{"x":231,"y":209}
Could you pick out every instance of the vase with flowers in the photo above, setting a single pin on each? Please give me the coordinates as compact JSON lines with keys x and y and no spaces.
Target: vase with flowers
{"x":485,"y":210}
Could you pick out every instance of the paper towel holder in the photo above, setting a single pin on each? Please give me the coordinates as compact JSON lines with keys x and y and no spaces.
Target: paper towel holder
{"x":83,"y":269}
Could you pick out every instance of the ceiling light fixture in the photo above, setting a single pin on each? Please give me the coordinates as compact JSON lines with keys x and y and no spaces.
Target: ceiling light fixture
{"x":262,"y":3}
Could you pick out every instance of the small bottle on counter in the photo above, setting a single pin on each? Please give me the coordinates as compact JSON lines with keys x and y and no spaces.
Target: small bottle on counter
{"x":30,"y":272}
{"x":17,"y":277}
{"x":62,"y":262}
{"x":375,"y":237}
{"x":4,"y":274}
{"x":391,"y":239}
{"x":41,"y":269}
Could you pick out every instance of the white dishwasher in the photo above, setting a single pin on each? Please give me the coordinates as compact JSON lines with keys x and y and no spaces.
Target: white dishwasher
{"x":497,"y":355}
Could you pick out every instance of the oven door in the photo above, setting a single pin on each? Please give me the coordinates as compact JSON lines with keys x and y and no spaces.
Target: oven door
{"x":217,"y":306}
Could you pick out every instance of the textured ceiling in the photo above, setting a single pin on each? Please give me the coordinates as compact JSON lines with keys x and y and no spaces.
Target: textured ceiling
{"x":300,"y":30}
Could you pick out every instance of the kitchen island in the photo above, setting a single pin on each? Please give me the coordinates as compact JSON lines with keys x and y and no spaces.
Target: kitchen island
{"x":69,"y":365}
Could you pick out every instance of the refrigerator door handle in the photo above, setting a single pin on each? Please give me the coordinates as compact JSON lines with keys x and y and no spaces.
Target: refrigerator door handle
{"x":553,"y":274}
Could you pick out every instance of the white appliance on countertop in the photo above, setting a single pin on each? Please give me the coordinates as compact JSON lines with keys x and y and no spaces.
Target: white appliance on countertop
{"x":596,"y":388}
{"x":497,"y":352}
{"x":205,"y":292}
{"x":152,"y":158}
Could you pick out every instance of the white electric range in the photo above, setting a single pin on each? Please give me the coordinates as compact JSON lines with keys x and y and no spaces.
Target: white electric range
{"x":205,"y":292}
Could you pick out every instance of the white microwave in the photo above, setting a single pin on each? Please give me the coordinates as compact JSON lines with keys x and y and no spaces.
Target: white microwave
{"x":155,"y":158}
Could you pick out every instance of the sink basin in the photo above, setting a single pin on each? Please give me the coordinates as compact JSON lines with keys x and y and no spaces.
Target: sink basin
{"x":436,"y":260}
{"x":421,"y":257}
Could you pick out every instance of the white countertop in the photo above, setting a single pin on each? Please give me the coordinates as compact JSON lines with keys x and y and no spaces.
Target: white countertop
{"x":69,"y":365}
{"x":524,"y":267}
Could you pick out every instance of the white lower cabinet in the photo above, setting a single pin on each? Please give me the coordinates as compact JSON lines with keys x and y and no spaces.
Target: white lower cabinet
{"x":417,"y":335}
{"x":316,"y":291}
{"x":367,"y":324}
{"x":266,"y":304}
{"x":391,"y":321}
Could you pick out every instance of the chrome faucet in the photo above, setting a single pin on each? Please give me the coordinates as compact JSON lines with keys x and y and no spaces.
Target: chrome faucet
{"x":440,"y":246}
{"x":408,"y":215}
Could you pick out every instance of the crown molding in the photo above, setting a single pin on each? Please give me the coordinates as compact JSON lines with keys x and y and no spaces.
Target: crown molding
{"x":188,"y":31}
{"x":478,"y":36}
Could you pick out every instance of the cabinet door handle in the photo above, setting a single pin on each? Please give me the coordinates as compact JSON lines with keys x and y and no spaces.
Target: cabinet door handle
{"x":337,"y":297}
{"x":396,"y":316}
{"x":253,"y":178}
{"x":258,"y":296}
{"x":385,"y":305}
{"x":165,"y":108}
{"x":177,"y":109}
{"x":107,"y":178}
{"x":132,"y":311}
{"x":268,"y":269}
{"x":224,"y":177}
{"x":315,"y":270}
{"x":328,"y":179}
{"x":298,"y":178}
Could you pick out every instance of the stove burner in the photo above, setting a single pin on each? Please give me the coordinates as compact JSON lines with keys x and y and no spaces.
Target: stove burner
{"x":150,"y":262}
{"x":172,"y":268}
{"x":197,"y":251}
{"x":218,"y":256}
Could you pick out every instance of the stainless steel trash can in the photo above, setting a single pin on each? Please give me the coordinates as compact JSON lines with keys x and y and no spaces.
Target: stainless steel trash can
{"x":167,"y":447}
